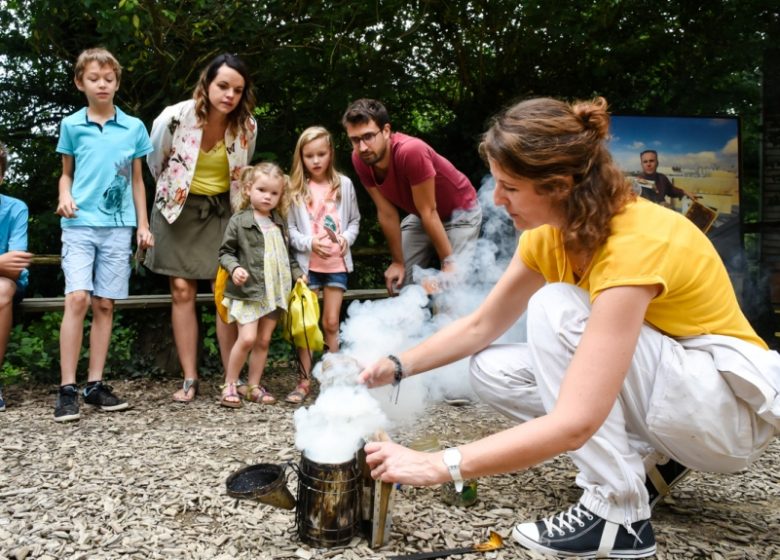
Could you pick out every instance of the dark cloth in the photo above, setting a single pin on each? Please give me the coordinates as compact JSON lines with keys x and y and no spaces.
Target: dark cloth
{"x":189,"y":247}
{"x":244,"y":245}
{"x":663,"y":188}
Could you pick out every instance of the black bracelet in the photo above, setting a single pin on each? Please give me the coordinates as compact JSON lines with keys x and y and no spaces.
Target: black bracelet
{"x":397,"y":376}
{"x":399,"y":369}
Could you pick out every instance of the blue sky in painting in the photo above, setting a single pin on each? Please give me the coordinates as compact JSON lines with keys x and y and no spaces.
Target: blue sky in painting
{"x":685,"y":142}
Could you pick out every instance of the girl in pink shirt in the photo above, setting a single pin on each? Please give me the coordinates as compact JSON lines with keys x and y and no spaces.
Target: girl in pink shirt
{"x":324,"y":221}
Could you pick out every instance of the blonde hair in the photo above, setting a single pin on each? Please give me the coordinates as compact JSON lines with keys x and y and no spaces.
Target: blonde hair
{"x":299,"y":176}
{"x":238,"y":119}
{"x":561,"y":147}
{"x":102,"y":57}
{"x":252,"y":173}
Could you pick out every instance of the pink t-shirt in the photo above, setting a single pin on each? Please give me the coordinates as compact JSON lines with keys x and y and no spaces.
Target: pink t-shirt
{"x":324,"y":214}
{"x":412,"y":162}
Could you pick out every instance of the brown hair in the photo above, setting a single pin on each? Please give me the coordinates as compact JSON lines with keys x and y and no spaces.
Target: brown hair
{"x":299,"y":186}
{"x":238,"y":119}
{"x":102,"y":57}
{"x":561,"y":148}
{"x":3,"y":160}
{"x":252,"y":173}
{"x":364,"y":111}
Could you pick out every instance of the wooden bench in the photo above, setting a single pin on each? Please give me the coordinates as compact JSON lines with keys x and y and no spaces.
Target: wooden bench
{"x":48,"y":304}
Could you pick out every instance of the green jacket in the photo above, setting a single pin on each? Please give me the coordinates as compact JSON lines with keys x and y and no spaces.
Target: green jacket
{"x":244,"y":245}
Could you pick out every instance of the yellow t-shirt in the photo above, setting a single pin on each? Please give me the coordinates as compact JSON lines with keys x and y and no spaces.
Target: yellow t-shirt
{"x":649,"y":245}
{"x":212,"y":172}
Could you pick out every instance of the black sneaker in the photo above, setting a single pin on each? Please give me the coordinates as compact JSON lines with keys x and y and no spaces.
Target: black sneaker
{"x":662,"y":477}
{"x":2,"y":400}
{"x":579,"y":533}
{"x":100,"y":395}
{"x":67,"y":406}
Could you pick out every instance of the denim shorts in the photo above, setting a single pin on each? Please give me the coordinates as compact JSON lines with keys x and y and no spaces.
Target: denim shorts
{"x":97,"y":260}
{"x":329,"y":279}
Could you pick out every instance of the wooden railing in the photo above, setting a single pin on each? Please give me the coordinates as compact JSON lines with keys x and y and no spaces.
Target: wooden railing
{"x":47,"y":304}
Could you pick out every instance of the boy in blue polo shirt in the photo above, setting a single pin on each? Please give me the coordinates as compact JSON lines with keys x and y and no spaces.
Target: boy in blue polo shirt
{"x":102,"y":197}
{"x":14,"y":259}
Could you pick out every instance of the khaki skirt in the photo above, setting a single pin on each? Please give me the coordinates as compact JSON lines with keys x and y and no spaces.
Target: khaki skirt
{"x":189,"y":247}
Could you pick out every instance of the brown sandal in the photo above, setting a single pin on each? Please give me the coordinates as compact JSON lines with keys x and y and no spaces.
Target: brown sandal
{"x":258,"y":394}
{"x":299,"y":394}
{"x":229,"y":393}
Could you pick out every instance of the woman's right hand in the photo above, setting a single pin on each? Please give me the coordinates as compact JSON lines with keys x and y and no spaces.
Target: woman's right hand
{"x":239,"y":276}
{"x":379,"y":373}
{"x":390,"y":462}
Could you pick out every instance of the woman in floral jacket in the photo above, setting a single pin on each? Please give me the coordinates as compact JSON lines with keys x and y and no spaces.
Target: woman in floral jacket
{"x":200,"y":147}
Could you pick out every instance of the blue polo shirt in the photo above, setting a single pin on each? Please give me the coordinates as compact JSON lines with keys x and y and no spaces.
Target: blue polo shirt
{"x":13,"y":231}
{"x":103,"y":174}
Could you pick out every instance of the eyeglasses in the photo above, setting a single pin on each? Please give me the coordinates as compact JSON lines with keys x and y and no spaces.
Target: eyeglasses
{"x":367,"y":138}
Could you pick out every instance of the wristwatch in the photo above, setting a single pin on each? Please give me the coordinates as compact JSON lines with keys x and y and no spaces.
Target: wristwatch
{"x":452,"y":459}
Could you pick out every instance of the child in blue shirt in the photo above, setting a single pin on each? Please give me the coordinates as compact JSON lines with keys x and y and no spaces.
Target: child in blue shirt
{"x":14,"y":259}
{"x":101,"y":199}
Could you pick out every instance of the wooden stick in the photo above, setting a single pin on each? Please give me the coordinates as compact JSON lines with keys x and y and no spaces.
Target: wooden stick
{"x":385,"y":488}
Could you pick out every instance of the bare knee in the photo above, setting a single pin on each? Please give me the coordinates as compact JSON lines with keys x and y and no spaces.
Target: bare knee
{"x":330,"y":325}
{"x":102,"y":306}
{"x":77,"y":302}
{"x":263,"y":342}
{"x":246,"y":338}
{"x":7,"y":292}
{"x":183,"y":291}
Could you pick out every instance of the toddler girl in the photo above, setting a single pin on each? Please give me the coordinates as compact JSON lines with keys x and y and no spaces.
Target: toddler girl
{"x":255,"y":254}
{"x":324,"y":222}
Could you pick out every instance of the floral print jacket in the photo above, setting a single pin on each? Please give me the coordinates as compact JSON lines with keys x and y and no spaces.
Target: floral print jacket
{"x":176,"y":138}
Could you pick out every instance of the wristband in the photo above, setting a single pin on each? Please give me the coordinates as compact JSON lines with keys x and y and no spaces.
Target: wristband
{"x":398,"y":375}
{"x":452,"y":458}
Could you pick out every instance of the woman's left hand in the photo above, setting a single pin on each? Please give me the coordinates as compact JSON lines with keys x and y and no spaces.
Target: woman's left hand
{"x":391,"y":462}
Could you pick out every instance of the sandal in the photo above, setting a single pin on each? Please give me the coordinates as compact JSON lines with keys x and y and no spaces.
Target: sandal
{"x":230,"y":397}
{"x":299,"y":394}
{"x":186,"y":387}
{"x":258,"y":394}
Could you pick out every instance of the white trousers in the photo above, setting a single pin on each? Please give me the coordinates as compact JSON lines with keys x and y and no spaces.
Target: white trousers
{"x":709,"y":402}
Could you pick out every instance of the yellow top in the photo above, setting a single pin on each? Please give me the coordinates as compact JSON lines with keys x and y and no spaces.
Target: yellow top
{"x":212,"y":174}
{"x":650,"y":244}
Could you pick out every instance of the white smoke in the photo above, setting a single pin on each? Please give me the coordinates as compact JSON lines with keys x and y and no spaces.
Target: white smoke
{"x":345,"y":414}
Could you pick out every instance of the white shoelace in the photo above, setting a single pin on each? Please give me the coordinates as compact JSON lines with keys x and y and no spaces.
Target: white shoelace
{"x":566,"y":520}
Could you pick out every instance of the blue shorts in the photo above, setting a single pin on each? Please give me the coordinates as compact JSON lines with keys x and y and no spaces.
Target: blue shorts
{"x":329,"y":279}
{"x":97,"y":260}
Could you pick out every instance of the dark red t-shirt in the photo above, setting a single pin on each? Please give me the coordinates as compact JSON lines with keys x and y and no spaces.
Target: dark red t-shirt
{"x":412,"y":162}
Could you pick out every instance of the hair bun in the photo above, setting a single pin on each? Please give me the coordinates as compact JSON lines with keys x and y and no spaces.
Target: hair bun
{"x":593,"y":115}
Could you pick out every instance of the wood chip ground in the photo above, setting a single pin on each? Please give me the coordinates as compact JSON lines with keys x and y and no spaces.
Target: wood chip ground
{"x":149,"y":483}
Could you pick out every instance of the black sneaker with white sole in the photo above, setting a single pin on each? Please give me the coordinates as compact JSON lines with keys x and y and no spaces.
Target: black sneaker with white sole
{"x":580,"y":533}
{"x":100,"y":395}
{"x":662,"y":478}
{"x":67,"y":406}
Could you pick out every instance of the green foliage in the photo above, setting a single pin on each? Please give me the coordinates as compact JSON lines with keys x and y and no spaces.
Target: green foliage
{"x":442,"y":69}
{"x":33,"y":350}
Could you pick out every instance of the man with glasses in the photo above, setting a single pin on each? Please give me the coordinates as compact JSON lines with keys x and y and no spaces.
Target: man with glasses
{"x":403,"y":172}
